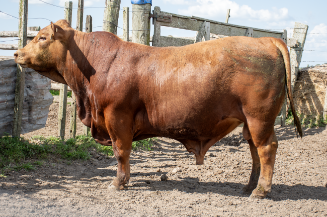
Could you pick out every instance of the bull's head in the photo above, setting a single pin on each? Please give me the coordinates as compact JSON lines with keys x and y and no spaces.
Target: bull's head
{"x":46,"y":53}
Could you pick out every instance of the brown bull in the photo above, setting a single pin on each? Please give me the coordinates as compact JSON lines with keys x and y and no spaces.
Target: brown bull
{"x":196,"y":94}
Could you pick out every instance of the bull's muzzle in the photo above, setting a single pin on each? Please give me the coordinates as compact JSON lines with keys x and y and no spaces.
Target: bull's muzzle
{"x":19,"y":58}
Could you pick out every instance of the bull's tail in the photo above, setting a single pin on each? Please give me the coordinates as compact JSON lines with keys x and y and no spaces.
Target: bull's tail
{"x":283,"y":48}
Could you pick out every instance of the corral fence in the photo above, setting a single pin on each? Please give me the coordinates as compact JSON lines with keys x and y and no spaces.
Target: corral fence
{"x":206,"y":30}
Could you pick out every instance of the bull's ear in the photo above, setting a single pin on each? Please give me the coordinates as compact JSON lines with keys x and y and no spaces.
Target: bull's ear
{"x":57,"y":32}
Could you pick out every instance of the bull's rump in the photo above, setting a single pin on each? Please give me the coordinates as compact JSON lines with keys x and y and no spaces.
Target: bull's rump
{"x":196,"y":87}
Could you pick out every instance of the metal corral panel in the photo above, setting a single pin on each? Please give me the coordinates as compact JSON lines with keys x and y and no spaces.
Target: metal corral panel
{"x":37,"y":98}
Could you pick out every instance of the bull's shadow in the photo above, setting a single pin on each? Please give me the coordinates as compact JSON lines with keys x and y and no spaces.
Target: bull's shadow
{"x":193,"y":185}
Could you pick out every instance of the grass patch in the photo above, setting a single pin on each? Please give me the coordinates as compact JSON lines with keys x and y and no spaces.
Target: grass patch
{"x":57,"y":92}
{"x":18,"y":153}
{"x":15,"y":152}
{"x":309,"y":121}
{"x":145,"y":144}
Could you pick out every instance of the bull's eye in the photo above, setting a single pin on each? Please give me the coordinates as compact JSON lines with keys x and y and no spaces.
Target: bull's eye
{"x":42,"y":38}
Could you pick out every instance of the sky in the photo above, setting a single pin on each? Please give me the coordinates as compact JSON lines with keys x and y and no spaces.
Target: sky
{"x":274,"y":15}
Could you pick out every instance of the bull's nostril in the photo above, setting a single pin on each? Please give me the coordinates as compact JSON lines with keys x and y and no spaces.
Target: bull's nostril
{"x":16,"y":54}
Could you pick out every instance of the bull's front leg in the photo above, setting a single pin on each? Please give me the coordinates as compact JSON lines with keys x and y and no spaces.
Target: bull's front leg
{"x":120,"y":132}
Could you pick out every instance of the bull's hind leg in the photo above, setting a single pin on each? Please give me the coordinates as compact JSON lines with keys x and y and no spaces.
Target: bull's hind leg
{"x":253,"y":182}
{"x":265,"y":141}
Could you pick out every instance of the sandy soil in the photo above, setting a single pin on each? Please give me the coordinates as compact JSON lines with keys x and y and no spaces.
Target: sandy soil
{"x":80,"y":188}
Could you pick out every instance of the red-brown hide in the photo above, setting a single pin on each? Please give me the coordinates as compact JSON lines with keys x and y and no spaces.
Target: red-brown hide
{"x":195,"y":94}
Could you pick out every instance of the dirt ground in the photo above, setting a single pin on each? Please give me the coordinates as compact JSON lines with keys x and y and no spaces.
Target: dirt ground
{"x":80,"y":188}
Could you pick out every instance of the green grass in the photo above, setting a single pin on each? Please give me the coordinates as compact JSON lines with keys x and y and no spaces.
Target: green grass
{"x":56,"y":93}
{"x":145,"y":144}
{"x":309,"y":121}
{"x":18,"y":153}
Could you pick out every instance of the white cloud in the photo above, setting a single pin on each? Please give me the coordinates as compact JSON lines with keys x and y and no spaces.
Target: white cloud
{"x":210,"y":8}
{"x":178,"y":2}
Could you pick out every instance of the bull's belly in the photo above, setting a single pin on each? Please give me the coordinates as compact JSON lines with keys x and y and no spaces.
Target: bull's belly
{"x":200,"y":132}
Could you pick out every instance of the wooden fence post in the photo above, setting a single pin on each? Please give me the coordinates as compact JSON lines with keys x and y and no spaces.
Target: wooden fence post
{"x":111,"y":14}
{"x":299,"y":33}
{"x":126,"y":24}
{"x":283,"y":111}
{"x":63,"y":89}
{"x":227,"y":16}
{"x":204,"y":32}
{"x":88,"y":28}
{"x":157,"y":28}
{"x":88,"y":24}
{"x":79,"y":27}
{"x":20,"y":76}
{"x":141,"y":23}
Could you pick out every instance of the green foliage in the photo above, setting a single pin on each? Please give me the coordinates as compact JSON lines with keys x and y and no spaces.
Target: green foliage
{"x":57,"y":92}
{"x":145,"y":144}
{"x":307,"y":120}
{"x":14,"y":152}
{"x":18,"y":153}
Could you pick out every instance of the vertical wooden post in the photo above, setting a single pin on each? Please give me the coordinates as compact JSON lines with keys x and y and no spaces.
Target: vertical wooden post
{"x":111,"y":14}
{"x":157,"y":28}
{"x":324,"y":115}
{"x":126,"y":24}
{"x":141,"y":23}
{"x":88,"y":28}
{"x":79,"y":27}
{"x":20,"y":75}
{"x":63,"y":89}
{"x":203,"y":33}
{"x":227,"y":16}
{"x":79,"y":22}
{"x":300,"y":33}
{"x":88,"y":24}
{"x":283,"y":111}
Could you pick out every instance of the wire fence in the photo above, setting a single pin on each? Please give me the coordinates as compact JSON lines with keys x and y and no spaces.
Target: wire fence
{"x":118,"y":6}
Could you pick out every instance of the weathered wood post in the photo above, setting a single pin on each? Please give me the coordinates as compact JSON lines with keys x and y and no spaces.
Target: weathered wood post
{"x":63,"y":89}
{"x":227,"y":16}
{"x":141,"y":10}
{"x":283,"y":112}
{"x":20,"y":76}
{"x":88,"y":28}
{"x":88,"y":24}
{"x":203,"y":33}
{"x":299,"y":33}
{"x":79,"y":27}
{"x":111,"y":14}
{"x":324,"y":114}
{"x":126,"y":24}
{"x":157,"y":28}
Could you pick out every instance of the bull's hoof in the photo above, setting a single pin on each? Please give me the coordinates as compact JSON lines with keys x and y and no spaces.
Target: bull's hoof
{"x":116,"y":185}
{"x":259,"y":193}
{"x":247,"y":190}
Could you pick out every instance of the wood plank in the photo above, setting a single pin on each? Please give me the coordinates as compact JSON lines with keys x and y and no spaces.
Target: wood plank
{"x":30,"y":34}
{"x":9,"y":46}
{"x":20,"y":76}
